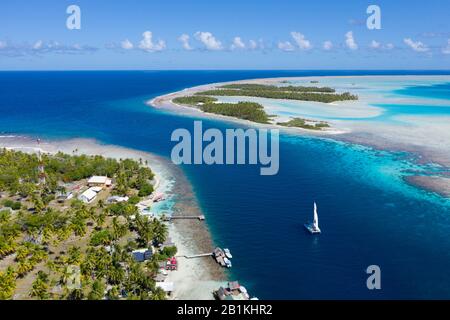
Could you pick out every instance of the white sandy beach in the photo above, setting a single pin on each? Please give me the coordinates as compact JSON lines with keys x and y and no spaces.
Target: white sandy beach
{"x":195,"y":279}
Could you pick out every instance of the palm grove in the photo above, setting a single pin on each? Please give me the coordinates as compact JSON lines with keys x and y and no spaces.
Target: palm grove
{"x":73,"y":250}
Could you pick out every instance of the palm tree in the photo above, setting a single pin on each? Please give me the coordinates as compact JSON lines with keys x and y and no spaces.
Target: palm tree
{"x":100,"y":219}
{"x":7,"y":284}
{"x":119,"y":230}
{"x":7,"y":246}
{"x":76,"y":294}
{"x":116,"y":274}
{"x":37,"y":203}
{"x":65,"y":275}
{"x":47,"y":234}
{"x":78,"y":225}
{"x":91,"y":213}
{"x":64,"y":233}
{"x":83,"y":212}
{"x":97,"y":291}
{"x":130,"y":210}
{"x":113,"y":293}
{"x":40,"y":287}
{"x":160,"y":231}
{"x":152,"y":266}
{"x":74,"y":256}
{"x":158,"y":294}
{"x":100,"y":204}
{"x":144,"y":229}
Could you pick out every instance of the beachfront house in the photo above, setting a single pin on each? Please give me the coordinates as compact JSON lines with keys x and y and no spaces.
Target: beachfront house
{"x":140,"y":255}
{"x":234,"y":291}
{"x":88,"y":196}
{"x":117,"y":199}
{"x":63,"y":196}
{"x":99,"y":181}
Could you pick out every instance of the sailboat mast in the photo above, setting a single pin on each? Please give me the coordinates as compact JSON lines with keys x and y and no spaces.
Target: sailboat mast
{"x":316,"y":217}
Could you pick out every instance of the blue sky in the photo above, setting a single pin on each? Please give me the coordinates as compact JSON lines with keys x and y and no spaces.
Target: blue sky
{"x":281,"y":34}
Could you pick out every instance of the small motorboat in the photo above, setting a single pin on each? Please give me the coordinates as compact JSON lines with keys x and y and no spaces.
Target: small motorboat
{"x":228,"y":253}
{"x":227,"y":262}
{"x":158,"y":197}
{"x":313,"y":227}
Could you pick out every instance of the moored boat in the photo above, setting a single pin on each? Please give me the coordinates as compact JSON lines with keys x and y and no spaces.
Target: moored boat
{"x":313,"y":227}
{"x":228,"y":253}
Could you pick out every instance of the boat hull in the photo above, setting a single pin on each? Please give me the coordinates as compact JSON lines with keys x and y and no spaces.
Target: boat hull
{"x":313,"y":230}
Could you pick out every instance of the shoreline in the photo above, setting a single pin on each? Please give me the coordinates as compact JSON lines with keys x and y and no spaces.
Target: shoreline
{"x":195,"y":278}
{"x":358,"y":135}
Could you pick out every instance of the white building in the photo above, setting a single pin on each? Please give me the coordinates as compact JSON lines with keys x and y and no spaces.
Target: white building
{"x":117,"y":199}
{"x":99,"y":181}
{"x":89,"y":195}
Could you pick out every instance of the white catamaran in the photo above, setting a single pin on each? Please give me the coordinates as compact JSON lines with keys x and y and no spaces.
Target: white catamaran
{"x":314,"y":226}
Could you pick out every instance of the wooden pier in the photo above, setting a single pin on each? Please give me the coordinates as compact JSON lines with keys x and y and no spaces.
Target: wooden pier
{"x":201,"y":218}
{"x":198,"y":255}
{"x":218,"y":254}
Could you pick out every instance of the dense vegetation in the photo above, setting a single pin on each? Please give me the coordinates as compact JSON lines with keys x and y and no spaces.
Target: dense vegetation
{"x":264,"y":87}
{"x":289,"y":95}
{"x":243,"y":110}
{"x":303,"y":93}
{"x":73,"y":240}
{"x":18,"y":174}
{"x":194,"y":100}
{"x":301,"y":123}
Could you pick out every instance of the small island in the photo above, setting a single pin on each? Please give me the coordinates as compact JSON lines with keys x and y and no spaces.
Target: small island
{"x":302,"y":93}
{"x":305,"y":124}
{"x":74,"y":231}
{"x":243,"y":110}
{"x":208,"y":101}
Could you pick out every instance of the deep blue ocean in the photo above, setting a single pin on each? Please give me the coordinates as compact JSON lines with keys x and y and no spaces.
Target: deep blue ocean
{"x":368,"y":214}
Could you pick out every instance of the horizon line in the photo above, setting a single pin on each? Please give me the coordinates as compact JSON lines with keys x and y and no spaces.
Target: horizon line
{"x":177,"y":70}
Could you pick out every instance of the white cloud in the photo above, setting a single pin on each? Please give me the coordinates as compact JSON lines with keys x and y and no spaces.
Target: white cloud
{"x":148,"y":45}
{"x":327,"y":45}
{"x":38,"y":45}
{"x":253,"y":44}
{"x":350,"y":41}
{"x":210,"y":42}
{"x":416,"y":45}
{"x":375,"y":45}
{"x":446,"y":50}
{"x":237,"y":43}
{"x":286,"y":46}
{"x":126,"y":44}
{"x":301,"y":41}
{"x":184,"y":39}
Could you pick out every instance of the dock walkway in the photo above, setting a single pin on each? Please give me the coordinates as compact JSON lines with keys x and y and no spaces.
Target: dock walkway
{"x":201,"y":218}
{"x":197,"y":255}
